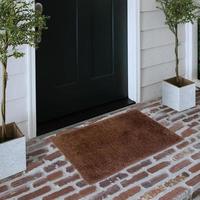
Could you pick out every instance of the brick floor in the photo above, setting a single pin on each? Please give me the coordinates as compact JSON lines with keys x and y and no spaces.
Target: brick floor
{"x":168,"y":175}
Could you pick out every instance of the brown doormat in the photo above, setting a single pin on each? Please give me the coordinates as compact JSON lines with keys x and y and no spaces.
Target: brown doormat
{"x":104,"y":148}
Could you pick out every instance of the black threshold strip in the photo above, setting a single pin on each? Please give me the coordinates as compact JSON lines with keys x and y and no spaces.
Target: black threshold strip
{"x":49,"y":126}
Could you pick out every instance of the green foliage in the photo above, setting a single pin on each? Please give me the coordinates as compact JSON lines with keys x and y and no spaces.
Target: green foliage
{"x":20,"y":24}
{"x":18,"y":20}
{"x":179,"y":12}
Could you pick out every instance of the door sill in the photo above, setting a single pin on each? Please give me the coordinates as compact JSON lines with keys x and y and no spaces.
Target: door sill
{"x":43,"y":128}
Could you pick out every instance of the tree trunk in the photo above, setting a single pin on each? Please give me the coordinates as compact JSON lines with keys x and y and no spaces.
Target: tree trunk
{"x":177,"y":56}
{"x":3,"y":102}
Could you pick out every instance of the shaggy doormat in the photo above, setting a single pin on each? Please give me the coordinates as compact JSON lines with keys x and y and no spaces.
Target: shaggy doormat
{"x":104,"y":148}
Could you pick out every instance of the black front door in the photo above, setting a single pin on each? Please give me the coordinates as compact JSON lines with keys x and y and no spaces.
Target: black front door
{"x":82,"y":60}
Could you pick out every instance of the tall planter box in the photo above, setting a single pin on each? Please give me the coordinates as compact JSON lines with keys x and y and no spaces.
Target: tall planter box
{"x":12,"y":152}
{"x":176,"y":97}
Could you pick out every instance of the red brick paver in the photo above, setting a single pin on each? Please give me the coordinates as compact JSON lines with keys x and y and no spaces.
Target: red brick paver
{"x":168,"y":175}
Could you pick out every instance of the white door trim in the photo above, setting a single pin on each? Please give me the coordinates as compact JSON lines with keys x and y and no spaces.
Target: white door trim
{"x":31,"y":90}
{"x":134,"y":59}
{"x":191,"y":50}
{"x":134,"y":71}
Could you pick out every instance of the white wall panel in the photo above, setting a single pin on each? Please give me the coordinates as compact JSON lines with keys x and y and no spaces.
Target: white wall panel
{"x":16,"y":87}
{"x":161,"y":54}
{"x":148,"y":5}
{"x":152,"y":20}
{"x":157,"y":50}
{"x":151,"y":92}
{"x":16,"y":108}
{"x":155,"y":74}
{"x":159,"y":37}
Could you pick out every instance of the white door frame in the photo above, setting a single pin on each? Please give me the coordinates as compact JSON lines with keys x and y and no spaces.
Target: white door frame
{"x":134,"y":57}
{"x":134,"y":72}
{"x":191,"y":50}
{"x":31,"y":92}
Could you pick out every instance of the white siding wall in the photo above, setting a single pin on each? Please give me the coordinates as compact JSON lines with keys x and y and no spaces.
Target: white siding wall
{"x":17,"y":109}
{"x":157,"y":50}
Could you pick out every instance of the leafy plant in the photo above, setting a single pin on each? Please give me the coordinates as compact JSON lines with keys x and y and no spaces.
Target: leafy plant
{"x":178,"y":12}
{"x":20,"y":24}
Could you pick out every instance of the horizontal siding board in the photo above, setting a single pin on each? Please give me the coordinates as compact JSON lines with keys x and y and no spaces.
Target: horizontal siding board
{"x":151,"y":92}
{"x":17,"y":110}
{"x":15,"y":66}
{"x":159,"y":37}
{"x":16,"y":107}
{"x":157,"y":50}
{"x":159,"y":55}
{"x":160,"y":72}
{"x":152,"y":20}
{"x":148,"y":5}
{"x":16,"y":87}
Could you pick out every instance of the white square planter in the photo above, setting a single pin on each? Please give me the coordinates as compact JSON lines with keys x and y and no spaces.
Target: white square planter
{"x":179,"y":98}
{"x":13,"y":154}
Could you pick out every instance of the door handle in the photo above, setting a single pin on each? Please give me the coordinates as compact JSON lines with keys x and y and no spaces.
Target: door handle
{"x":39,"y":7}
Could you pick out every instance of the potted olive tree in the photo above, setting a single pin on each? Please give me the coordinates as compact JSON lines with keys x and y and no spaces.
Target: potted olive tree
{"x":20,"y":24}
{"x":178,"y":92}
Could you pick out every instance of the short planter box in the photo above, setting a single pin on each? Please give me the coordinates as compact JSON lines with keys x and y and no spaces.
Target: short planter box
{"x":12,"y":152}
{"x":179,"y":98}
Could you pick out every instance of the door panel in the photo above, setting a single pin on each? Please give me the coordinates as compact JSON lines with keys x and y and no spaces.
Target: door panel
{"x":82,"y":60}
{"x":102,"y":53}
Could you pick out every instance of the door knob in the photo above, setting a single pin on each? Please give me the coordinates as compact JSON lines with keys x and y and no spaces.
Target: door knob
{"x":39,"y":7}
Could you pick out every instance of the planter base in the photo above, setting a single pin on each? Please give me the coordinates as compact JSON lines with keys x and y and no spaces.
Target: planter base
{"x":12,"y":152}
{"x":178,"y":98}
